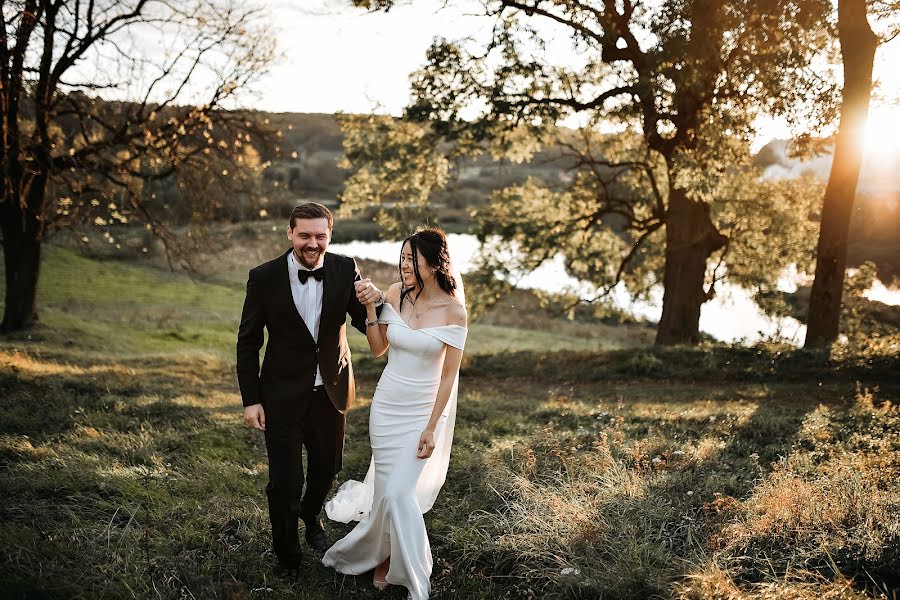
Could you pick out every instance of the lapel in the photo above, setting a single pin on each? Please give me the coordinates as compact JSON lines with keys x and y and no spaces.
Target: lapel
{"x":287,"y":296}
{"x":329,"y":284}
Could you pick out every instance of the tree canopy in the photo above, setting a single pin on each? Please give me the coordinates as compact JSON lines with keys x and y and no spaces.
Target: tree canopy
{"x":656,"y":113}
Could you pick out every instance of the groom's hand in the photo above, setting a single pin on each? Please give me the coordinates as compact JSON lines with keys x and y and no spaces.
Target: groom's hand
{"x":366,"y":292}
{"x":255,"y":417}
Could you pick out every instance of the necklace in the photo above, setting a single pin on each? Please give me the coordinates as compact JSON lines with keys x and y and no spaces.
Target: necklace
{"x":418,"y":314}
{"x":424,"y":305}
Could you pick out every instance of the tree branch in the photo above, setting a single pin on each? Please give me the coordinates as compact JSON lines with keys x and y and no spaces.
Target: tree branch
{"x":533,"y":9}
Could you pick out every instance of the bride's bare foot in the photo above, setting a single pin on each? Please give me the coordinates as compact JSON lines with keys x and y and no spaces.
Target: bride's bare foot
{"x":381,"y":573}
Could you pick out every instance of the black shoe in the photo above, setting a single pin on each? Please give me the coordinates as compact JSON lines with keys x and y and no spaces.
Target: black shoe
{"x":288,"y":566}
{"x":315,"y":534}
{"x":287,"y":573}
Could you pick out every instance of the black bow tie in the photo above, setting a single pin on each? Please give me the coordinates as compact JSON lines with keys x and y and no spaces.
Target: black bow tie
{"x":303,"y":274}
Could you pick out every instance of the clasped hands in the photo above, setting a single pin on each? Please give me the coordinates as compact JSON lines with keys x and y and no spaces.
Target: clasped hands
{"x":366,"y":292}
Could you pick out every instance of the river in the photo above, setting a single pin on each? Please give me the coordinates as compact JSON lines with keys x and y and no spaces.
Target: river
{"x":732,"y":316}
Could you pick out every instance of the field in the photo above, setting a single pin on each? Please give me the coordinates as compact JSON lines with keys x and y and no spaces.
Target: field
{"x":586,"y":464}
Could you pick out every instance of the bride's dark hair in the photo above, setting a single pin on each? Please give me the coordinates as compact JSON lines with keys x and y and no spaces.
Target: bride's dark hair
{"x":431,"y":243}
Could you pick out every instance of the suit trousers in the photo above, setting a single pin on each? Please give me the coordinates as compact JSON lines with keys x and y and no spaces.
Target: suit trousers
{"x":315,"y":424}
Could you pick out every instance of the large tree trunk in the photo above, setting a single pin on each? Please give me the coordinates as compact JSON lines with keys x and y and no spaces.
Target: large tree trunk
{"x":858,"y":45}
{"x":691,"y":238}
{"x":23,"y":234}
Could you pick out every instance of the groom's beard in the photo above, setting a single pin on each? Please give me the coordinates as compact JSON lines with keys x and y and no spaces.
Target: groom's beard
{"x":309,"y":257}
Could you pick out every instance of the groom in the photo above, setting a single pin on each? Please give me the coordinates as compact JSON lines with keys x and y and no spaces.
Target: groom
{"x":301,"y":394}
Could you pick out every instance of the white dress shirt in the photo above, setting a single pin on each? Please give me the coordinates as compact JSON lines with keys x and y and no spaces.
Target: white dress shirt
{"x":308,"y":299}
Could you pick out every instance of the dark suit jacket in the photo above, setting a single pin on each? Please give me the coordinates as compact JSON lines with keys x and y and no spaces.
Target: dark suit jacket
{"x":289,"y":368}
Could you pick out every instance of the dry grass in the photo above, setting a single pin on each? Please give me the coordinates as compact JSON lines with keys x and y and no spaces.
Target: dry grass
{"x":140,"y":480}
{"x":685,"y":473}
{"x":735,"y":498}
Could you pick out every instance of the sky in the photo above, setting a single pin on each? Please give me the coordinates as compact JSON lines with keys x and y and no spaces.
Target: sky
{"x":341,"y":59}
{"x":335,"y":58}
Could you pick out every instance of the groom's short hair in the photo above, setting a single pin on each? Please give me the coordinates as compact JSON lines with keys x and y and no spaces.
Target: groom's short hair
{"x":311,"y":210}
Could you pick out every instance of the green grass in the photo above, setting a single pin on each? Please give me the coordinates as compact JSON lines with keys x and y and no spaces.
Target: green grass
{"x":113,"y":306}
{"x":587,"y":472}
{"x":118,"y":307}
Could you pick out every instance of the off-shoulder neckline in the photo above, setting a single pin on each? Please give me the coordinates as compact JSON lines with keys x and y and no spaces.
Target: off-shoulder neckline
{"x":408,"y":326}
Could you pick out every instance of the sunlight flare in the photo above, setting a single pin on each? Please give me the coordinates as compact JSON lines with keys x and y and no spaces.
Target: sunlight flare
{"x":882,"y":133}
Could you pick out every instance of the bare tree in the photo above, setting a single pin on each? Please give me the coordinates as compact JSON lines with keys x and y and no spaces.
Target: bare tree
{"x":98,"y":97}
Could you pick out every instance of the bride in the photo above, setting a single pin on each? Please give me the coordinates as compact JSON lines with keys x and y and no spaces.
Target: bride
{"x":423,"y":322}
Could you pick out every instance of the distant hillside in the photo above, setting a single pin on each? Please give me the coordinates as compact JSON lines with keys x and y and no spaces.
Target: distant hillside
{"x":875,"y":227}
{"x":880,"y":175}
{"x":304,"y":166}
{"x":312,"y":148}
{"x":313,"y":173}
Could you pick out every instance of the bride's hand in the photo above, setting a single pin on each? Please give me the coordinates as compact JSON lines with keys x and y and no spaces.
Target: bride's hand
{"x":366,"y":292}
{"x":426,"y":444}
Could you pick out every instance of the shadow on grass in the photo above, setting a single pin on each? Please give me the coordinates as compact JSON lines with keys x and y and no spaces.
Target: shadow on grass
{"x":630,"y":497}
{"x":685,"y":364}
{"x":827,"y":511}
{"x":661,"y":533}
{"x":49,"y":399}
{"x":139,"y":479}
{"x":113,"y":485}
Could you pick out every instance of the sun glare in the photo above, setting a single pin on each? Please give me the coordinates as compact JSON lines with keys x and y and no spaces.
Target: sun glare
{"x":883,"y":133}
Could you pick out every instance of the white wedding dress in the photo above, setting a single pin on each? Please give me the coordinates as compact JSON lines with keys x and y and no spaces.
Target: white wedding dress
{"x":399,"y":487}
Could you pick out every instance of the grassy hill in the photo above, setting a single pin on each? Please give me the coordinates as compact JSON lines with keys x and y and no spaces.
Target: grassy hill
{"x":129,"y":309}
{"x":609,"y":469}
